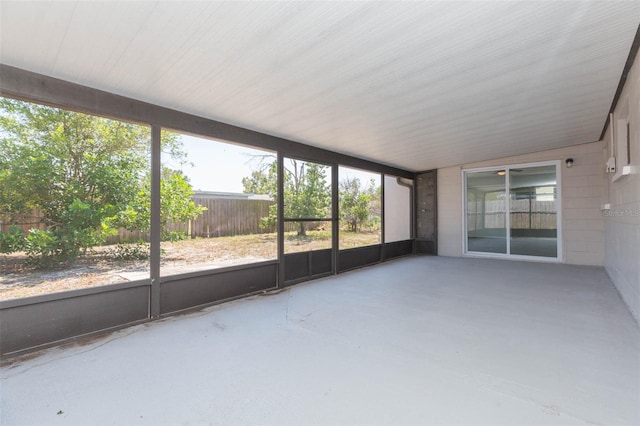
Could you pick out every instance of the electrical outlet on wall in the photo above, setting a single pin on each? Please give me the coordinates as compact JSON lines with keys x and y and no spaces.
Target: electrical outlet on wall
{"x":611,"y":165}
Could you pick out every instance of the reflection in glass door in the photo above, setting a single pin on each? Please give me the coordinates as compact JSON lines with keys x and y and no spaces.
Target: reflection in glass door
{"x":530,"y":228}
{"x":533,"y":211}
{"x":486,"y":212}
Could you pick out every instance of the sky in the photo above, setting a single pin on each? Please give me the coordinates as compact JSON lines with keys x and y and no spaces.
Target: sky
{"x":218,"y":166}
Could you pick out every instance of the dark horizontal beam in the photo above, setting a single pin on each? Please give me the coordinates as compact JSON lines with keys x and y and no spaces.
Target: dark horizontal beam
{"x":307,"y":219}
{"x":633,"y":52}
{"x":29,"y":86}
{"x":70,"y":294}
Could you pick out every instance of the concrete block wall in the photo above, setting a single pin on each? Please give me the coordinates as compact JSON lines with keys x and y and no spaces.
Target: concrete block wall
{"x":582,"y":196}
{"x":622,"y":221}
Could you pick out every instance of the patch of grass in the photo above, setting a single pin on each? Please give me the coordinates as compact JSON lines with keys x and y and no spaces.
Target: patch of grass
{"x":314,"y":240}
{"x":350,"y":239}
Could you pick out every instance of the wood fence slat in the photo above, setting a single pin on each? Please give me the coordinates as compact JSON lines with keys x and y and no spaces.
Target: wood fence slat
{"x":223,"y":217}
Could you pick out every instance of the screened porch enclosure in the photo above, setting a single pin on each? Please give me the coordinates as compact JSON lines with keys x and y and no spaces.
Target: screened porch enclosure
{"x":171,"y":239}
{"x":304,"y":213}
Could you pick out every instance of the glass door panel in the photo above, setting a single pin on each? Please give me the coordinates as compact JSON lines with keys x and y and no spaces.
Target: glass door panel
{"x":486,"y":212}
{"x":533,"y":211}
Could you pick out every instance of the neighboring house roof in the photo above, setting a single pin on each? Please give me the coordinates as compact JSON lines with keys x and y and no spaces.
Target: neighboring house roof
{"x":230,"y":196}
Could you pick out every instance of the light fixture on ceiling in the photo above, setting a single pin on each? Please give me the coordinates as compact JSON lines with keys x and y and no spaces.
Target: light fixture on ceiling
{"x":569,"y":162}
{"x":501,"y":172}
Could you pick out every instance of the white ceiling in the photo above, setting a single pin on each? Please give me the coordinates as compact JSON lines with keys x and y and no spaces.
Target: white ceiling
{"x":415,"y":85}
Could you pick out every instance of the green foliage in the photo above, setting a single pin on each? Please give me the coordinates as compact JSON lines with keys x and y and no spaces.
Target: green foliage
{"x":268,"y":223}
{"x":310,"y":236}
{"x":265,"y":181}
{"x":43,"y":249}
{"x":124,"y":252}
{"x":359,"y":206}
{"x":307,"y":193}
{"x":87,"y":175}
{"x":55,"y":157}
{"x":175,"y":193}
{"x":176,"y":204}
{"x":12,"y":241}
{"x":173,"y":236}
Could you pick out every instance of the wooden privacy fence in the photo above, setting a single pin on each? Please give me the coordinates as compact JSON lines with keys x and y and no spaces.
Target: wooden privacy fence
{"x":525,"y":214}
{"x":223,"y":217}
{"x":25,"y":222}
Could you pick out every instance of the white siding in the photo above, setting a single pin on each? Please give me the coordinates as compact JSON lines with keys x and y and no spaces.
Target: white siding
{"x":622,"y":222}
{"x":582,"y":192}
{"x":397,"y":210}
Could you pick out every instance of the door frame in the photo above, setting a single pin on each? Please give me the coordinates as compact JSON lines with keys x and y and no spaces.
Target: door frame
{"x":506,"y":167}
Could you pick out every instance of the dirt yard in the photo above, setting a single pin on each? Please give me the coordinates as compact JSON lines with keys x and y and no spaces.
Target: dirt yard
{"x":97,"y":268}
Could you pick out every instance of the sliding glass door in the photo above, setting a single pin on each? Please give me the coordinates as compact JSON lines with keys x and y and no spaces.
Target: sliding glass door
{"x":486,"y":212}
{"x":533,"y":211}
{"x":529,"y":194}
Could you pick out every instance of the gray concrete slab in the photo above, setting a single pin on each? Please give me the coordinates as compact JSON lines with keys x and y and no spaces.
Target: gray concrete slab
{"x":422,"y":340}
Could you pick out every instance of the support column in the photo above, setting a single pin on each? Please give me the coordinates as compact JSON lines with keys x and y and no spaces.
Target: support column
{"x":426,"y":212}
{"x":155,"y":221}
{"x":335,"y":219}
{"x":280,"y":220}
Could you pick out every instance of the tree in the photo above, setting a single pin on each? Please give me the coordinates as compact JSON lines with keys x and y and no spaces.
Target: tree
{"x":262,"y":181}
{"x":87,"y":175}
{"x":176,"y":204}
{"x":358,"y":205}
{"x":265,"y":181}
{"x":307,"y":195}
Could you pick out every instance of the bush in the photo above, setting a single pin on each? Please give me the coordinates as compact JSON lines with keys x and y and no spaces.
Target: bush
{"x":42,"y":248}
{"x":88,"y":176}
{"x":46,"y":249}
{"x":139,"y":251}
{"x":12,"y":241}
{"x":173,"y":236}
{"x":268,"y":224}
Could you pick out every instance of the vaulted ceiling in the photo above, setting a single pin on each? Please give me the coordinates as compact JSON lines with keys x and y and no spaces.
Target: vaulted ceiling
{"x":415,"y":85}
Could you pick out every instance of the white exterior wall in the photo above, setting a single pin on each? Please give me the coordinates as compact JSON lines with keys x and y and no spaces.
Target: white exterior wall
{"x":590,"y":236}
{"x":582,"y":196}
{"x":397,"y":210}
{"x":622,"y":222}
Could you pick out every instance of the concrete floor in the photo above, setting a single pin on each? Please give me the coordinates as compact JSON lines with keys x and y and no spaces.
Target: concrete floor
{"x":422,"y":340}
